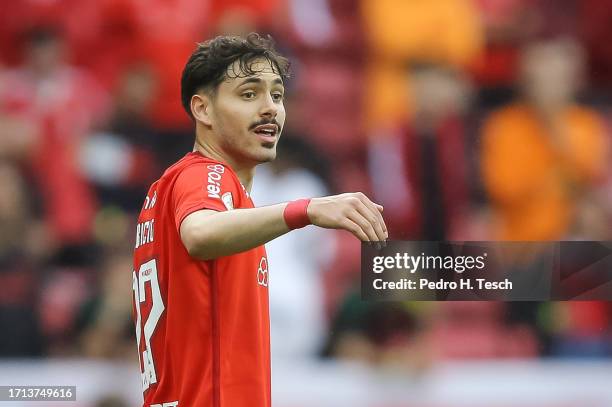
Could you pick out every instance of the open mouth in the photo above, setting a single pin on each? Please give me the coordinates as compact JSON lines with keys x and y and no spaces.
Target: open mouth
{"x":267,"y":132}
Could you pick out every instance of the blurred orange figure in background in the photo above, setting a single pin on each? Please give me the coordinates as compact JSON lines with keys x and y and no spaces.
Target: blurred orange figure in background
{"x":540,"y":155}
{"x":442,"y":32}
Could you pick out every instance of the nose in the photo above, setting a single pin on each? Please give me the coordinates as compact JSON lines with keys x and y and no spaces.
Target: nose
{"x":269,"y":108}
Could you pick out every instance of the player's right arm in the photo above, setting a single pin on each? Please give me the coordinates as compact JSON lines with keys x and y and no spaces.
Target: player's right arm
{"x":208,"y":234}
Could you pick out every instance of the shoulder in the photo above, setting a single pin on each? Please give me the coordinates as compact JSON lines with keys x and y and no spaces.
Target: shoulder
{"x":587,"y":118}
{"x":509,"y":126}
{"x":197,"y":168}
{"x":200,"y":182}
{"x":512,"y":114}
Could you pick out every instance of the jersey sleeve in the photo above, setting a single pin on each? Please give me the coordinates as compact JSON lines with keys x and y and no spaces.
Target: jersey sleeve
{"x":204,"y":186}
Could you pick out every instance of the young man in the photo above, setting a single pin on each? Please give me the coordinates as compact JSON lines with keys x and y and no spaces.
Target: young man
{"x":200,"y":275}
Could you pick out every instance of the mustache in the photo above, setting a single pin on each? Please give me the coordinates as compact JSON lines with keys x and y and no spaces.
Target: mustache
{"x":265,"y":121}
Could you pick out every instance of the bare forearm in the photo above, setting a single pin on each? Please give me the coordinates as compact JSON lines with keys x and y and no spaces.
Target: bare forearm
{"x":208,"y":234}
{"x":225,"y":233}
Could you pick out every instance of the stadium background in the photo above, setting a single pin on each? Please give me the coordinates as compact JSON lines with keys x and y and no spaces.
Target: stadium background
{"x":467,"y":120}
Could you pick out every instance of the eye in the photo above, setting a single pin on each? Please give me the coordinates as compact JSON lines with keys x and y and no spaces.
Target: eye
{"x":249,"y":94}
{"x":277,"y":96}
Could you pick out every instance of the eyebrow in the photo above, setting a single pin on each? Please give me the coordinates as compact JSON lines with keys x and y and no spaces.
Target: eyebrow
{"x":276,"y":81}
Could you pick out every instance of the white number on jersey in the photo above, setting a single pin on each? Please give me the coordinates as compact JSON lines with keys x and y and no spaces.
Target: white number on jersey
{"x":147,"y":272}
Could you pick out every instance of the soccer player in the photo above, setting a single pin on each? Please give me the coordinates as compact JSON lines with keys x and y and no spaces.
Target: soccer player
{"x":201,"y":276}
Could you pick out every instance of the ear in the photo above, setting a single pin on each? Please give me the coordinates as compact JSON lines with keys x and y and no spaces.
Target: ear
{"x":201,"y":107}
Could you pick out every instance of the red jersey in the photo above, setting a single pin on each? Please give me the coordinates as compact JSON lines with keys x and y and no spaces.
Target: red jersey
{"x":202,"y":327}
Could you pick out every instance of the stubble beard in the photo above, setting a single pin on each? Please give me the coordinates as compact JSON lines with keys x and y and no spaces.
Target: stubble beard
{"x":249,"y":154}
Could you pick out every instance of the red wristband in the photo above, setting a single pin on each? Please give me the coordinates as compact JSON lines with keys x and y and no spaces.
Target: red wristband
{"x":296,"y":214}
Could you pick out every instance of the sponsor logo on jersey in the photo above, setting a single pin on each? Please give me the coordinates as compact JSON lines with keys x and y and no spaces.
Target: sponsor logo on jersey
{"x":262,"y":272}
{"x":214,"y":180}
{"x":228,"y":200}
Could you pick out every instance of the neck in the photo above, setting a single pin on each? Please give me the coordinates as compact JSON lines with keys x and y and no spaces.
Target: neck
{"x":245,"y":172}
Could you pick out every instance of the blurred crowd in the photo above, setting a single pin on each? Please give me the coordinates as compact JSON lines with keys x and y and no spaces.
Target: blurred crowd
{"x":466,"y":119}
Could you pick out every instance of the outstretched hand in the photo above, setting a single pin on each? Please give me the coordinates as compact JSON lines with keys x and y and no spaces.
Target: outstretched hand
{"x":353,"y":212}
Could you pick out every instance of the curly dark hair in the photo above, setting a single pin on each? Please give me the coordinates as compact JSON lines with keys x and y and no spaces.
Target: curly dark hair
{"x":207,"y":65}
